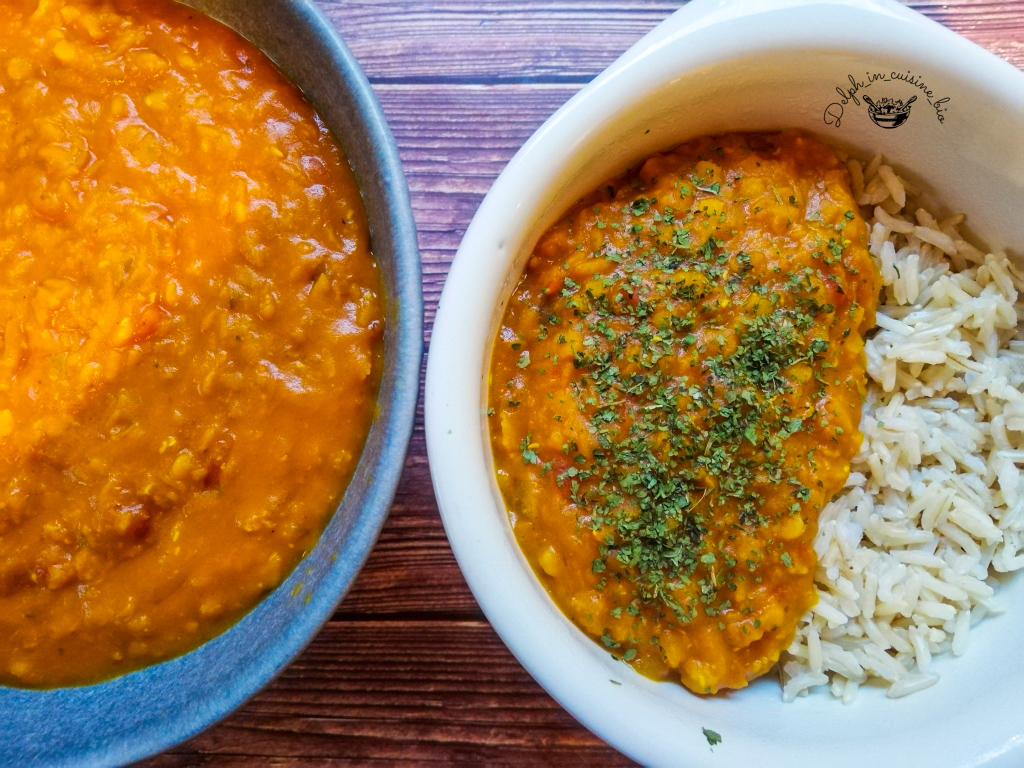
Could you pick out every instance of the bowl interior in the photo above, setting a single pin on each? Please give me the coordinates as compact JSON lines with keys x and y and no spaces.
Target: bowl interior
{"x":147,"y":711}
{"x":786,"y":65}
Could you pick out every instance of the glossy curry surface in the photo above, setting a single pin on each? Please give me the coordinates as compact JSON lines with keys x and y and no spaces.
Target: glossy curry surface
{"x":190,"y":322}
{"x":675,"y":393}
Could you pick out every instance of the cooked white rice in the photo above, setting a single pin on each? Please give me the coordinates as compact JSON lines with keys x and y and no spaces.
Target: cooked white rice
{"x":909,"y":554}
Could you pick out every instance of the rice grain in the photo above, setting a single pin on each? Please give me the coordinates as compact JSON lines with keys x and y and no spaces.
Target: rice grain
{"x":934,"y":504}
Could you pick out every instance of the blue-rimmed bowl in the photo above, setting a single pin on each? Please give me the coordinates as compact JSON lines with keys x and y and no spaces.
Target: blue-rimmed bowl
{"x":140,"y":714}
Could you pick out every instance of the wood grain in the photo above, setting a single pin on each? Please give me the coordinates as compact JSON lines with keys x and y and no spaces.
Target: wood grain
{"x":495,"y":41}
{"x":425,"y":691}
{"x":993,"y":24}
{"x":454,"y":140}
{"x":408,"y":671}
{"x":549,"y":42}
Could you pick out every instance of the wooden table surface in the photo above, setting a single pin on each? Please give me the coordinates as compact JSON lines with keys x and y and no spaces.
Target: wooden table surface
{"x":408,"y":670}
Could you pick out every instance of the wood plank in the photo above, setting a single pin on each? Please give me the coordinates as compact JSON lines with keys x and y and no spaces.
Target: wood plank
{"x":419,"y":691}
{"x":496,"y":41}
{"x":411,"y":570}
{"x":996,"y":25}
{"x":454,"y":141}
{"x":544,"y":41}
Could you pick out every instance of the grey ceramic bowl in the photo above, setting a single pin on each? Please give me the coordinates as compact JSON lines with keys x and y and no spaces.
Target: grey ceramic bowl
{"x":148,"y":711}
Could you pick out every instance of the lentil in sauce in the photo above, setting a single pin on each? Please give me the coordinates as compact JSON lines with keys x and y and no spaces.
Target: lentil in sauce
{"x":190,"y":323}
{"x":675,"y":393}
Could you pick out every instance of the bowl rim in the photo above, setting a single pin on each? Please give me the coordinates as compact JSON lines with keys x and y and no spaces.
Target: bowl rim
{"x":455,"y":391}
{"x":77,"y":740}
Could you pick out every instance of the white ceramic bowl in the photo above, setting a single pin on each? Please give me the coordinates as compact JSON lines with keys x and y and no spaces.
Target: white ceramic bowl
{"x":717,"y":66}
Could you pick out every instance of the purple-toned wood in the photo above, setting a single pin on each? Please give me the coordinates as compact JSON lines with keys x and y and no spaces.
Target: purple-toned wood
{"x":408,"y":670}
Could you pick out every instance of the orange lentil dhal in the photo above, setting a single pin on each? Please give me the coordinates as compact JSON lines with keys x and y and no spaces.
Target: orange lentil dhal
{"x":675,"y":393}
{"x":190,"y":328}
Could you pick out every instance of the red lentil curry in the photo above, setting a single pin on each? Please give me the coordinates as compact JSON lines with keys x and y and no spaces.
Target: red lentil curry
{"x":190,"y":319}
{"x":675,"y":394}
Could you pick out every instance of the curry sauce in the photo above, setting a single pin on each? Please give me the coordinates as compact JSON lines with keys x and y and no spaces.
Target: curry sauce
{"x":190,"y":327}
{"x":675,"y":394}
